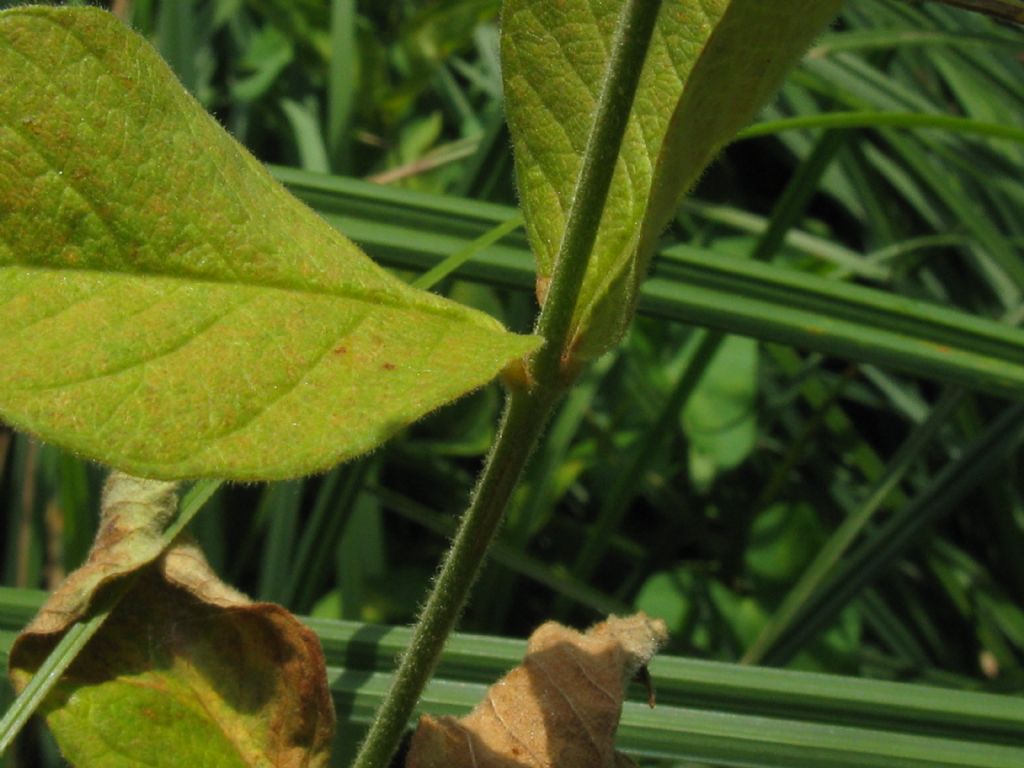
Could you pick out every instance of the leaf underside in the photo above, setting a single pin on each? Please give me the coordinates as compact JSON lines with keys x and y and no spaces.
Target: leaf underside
{"x":710,"y":67}
{"x":165,"y":306}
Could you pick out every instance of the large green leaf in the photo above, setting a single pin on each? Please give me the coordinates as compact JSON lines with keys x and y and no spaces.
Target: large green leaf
{"x":165,"y":306}
{"x":711,"y":65}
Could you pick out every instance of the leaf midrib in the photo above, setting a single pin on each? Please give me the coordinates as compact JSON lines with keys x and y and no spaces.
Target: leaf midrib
{"x":376,"y":297}
{"x":387,"y":299}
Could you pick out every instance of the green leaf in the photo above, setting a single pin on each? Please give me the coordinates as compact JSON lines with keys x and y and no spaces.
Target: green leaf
{"x":783,"y":540}
{"x":165,"y":306}
{"x":185,"y":671}
{"x":720,"y":417}
{"x":710,"y":67}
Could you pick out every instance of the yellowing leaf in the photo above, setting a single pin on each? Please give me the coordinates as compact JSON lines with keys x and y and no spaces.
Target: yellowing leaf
{"x":558,"y":709}
{"x":168,"y":308}
{"x":711,"y":65}
{"x":185,"y":671}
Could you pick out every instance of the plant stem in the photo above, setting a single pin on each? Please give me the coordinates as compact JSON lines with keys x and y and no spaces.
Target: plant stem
{"x":527,"y":410}
{"x":522,"y":422}
{"x":628,"y":52}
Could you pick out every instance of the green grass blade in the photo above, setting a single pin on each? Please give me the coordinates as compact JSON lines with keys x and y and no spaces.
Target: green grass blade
{"x":342,"y":84}
{"x":306,"y":135}
{"x":49,"y":672}
{"x":279,"y":508}
{"x":864,"y":119}
{"x":452,"y":263}
{"x":693,"y":285}
{"x":322,"y":531}
{"x":721,"y":738}
{"x":865,"y":563}
{"x":875,"y":39}
{"x":718,"y":713}
{"x":830,"y":554}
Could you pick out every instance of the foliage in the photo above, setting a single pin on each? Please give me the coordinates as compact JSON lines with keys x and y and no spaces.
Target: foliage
{"x":169,"y":309}
{"x":246,"y":690}
{"x":616,"y":510}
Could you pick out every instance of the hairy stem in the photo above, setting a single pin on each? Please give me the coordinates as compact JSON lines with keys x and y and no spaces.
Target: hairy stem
{"x":527,"y":410}
{"x":521,"y":424}
{"x":628,"y":52}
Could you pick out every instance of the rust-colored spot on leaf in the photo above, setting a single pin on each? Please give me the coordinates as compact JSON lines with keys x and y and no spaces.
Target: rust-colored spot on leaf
{"x":558,"y":709}
{"x":541,"y":289}
{"x":388,"y":366}
{"x":340,"y":350}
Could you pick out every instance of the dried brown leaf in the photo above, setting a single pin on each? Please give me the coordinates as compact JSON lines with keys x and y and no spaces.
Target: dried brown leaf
{"x":560,"y":707}
{"x":186,"y":670}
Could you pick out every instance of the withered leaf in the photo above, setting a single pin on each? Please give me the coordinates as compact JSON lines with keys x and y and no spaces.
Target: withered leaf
{"x":186,"y":671}
{"x":558,"y":709}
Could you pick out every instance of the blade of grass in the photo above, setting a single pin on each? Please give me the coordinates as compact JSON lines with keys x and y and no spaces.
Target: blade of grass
{"x":452,"y":263}
{"x":342,"y":84}
{"x":360,"y":653}
{"x":877,"y":552}
{"x":50,"y":671}
{"x":846,"y":261}
{"x":323,"y":530}
{"x":279,"y":507}
{"x":360,"y":554}
{"x":177,"y":39}
{"x":854,"y":83}
{"x":950,"y":124}
{"x":812,"y":579}
{"x":693,"y":285}
{"x":888,"y":39}
{"x":491,"y":165}
{"x":887,"y":625}
{"x":683,"y":734}
{"x":306,"y":135}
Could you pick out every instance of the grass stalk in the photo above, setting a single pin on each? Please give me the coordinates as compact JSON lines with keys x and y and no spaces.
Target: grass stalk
{"x":844,"y":537}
